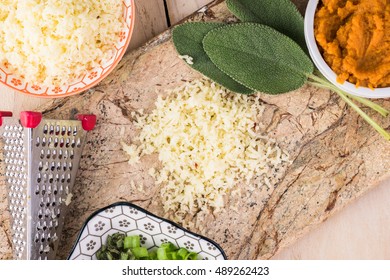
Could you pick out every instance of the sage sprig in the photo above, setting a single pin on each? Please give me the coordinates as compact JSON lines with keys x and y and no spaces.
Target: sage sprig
{"x":263,"y":53}
{"x":259,"y":57}
{"x":282,"y":15}
{"x":188,"y":42}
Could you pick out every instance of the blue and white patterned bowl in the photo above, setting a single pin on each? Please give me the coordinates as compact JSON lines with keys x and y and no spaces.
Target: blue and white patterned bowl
{"x":130,"y":219}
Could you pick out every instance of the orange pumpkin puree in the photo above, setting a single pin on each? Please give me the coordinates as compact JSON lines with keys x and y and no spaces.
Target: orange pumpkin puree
{"x":354,"y":36}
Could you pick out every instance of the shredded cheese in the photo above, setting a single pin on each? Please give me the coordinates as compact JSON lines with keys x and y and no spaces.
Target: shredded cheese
{"x":53,"y":42}
{"x":68,"y":199}
{"x":206,"y":140}
{"x":188,"y":59}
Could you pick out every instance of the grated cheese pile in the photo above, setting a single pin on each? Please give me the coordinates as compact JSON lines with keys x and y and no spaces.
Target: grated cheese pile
{"x":208,"y":142}
{"x":53,"y":42}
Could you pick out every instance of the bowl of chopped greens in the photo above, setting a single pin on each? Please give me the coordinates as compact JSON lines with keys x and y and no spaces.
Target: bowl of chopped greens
{"x":124,"y":231}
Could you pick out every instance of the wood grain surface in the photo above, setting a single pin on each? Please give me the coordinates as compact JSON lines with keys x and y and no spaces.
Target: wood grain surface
{"x":366,"y":216}
{"x":179,"y":9}
{"x":359,"y":232}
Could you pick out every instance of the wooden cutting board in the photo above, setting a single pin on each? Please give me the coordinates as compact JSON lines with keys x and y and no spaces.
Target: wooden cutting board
{"x":336,"y":157}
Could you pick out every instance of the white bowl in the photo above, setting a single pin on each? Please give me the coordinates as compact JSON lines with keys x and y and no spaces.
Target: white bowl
{"x":324,"y":68}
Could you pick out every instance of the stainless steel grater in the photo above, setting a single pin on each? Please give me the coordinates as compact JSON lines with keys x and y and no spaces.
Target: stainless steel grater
{"x":41,"y":158}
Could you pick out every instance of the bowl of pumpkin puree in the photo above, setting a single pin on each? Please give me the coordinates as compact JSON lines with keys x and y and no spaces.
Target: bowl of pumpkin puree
{"x":349,"y":41}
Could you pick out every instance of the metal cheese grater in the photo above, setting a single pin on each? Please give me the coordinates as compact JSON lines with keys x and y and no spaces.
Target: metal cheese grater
{"x":41,"y":158}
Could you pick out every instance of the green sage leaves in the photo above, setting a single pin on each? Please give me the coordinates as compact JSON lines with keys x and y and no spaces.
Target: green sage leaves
{"x":188,"y":42}
{"x":281,"y":15}
{"x":258,"y":57}
{"x":249,"y":57}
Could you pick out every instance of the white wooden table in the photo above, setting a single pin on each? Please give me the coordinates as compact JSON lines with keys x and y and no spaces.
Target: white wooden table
{"x":361,"y":231}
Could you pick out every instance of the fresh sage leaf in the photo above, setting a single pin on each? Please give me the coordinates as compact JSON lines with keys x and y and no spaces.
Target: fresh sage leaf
{"x":188,"y":38}
{"x":258,"y":57}
{"x":281,"y":15}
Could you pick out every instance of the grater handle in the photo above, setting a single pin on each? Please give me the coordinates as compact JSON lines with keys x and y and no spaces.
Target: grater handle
{"x":30,"y":119}
{"x":4,"y":114}
{"x":88,"y":122}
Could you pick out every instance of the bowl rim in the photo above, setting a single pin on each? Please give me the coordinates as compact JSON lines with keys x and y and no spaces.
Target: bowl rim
{"x":324,"y":68}
{"x":97,"y":81}
{"x":128,"y":204}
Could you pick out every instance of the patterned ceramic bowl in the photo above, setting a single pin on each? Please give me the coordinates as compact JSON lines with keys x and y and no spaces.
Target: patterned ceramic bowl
{"x":91,"y":79}
{"x":131,"y":220}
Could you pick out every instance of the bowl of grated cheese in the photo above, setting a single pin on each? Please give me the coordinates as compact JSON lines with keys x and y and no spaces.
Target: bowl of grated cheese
{"x":58,"y":48}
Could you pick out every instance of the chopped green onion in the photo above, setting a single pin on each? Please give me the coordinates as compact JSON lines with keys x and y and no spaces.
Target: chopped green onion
{"x":173,"y":256}
{"x":183,"y":253}
{"x":162,"y":254}
{"x":122,"y":247}
{"x":124,"y":256}
{"x":140,"y":252}
{"x":192,"y":256}
{"x":169,"y":247}
{"x":132,"y":242}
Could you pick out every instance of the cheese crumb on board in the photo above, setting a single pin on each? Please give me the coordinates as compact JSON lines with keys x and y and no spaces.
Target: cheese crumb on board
{"x":206,"y":140}
{"x":188,"y":59}
{"x":52,"y":42}
{"x":131,"y":150}
{"x":68,"y":199}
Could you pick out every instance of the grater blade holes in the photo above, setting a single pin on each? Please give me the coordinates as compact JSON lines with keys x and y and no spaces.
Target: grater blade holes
{"x":69,"y":131}
{"x":58,"y":129}
{"x":63,"y":131}
{"x":51,"y":179}
{"x":51,"y":131}
{"x":45,"y":129}
{"x":61,"y":143}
